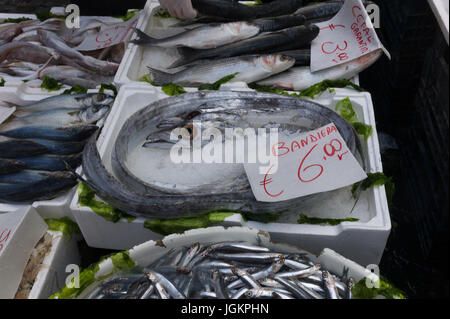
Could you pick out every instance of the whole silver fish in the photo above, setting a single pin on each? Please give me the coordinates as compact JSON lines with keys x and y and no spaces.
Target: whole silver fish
{"x":130,"y":194}
{"x":287,"y":39}
{"x":69,"y":101}
{"x":203,"y":37}
{"x":63,"y":117}
{"x":215,"y":35}
{"x":300,"y":78}
{"x":46,"y":187}
{"x":248,"y":69}
{"x":214,"y":278}
{"x":51,"y":40}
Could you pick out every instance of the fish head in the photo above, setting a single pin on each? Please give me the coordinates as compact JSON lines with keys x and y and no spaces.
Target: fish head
{"x":243,"y":29}
{"x":276,"y":63}
{"x":101,"y":99}
{"x":94,"y":113}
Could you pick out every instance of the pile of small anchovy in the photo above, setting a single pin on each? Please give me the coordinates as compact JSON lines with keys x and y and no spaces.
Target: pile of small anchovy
{"x":227,"y":270}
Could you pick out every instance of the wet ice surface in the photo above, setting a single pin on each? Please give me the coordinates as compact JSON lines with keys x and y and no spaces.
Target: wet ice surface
{"x":154,"y":166}
{"x":336,"y":204}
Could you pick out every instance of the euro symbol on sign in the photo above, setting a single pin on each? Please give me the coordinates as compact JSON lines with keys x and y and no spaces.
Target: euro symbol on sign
{"x":266,"y":181}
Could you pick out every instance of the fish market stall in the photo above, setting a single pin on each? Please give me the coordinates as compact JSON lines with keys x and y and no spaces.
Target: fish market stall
{"x":231,"y":155}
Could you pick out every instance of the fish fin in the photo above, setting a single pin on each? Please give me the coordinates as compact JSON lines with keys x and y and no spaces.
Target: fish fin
{"x":357,"y":195}
{"x":160,"y":77}
{"x":187,"y":55}
{"x":73,"y":171}
{"x":144,"y":39}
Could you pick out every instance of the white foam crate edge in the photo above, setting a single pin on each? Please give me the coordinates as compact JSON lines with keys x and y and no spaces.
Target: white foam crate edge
{"x":149,"y":251}
{"x":54,"y":208}
{"x":52,"y":275}
{"x":101,"y":233}
{"x":441,"y":11}
{"x":121,"y":76}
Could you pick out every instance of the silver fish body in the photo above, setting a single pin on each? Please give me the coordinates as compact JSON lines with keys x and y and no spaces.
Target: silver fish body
{"x":248,"y":69}
{"x":203,"y":37}
{"x":300,"y":78}
{"x":69,"y":101}
{"x":162,"y":280}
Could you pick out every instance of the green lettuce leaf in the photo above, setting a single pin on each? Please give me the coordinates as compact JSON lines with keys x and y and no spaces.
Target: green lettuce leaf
{"x":361,"y":291}
{"x":180,"y":225}
{"x":320,"y":87}
{"x":216,"y":85}
{"x":147,"y":78}
{"x":323,"y":221}
{"x":310,"y":92}
{"x":376,"y":179}
{"x":172,"y":89}
{"x":87,"y":277}
{"x":130,"y":14}
{"x":2,"y":82}
{"x":108,"y":86}
{"x":345,"y":109}
{"x":17,"y":20}
{"x":86,"y":198}
{"x":64,"y":225}
{"x":122,"y":260}
{"x":76,"y":89}
{"x":42,"y":16}
{"x":162,"y":14}
{"x":50,"y":84}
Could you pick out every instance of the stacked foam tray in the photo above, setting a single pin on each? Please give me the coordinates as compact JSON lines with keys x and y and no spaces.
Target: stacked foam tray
{"x":362,"y":241}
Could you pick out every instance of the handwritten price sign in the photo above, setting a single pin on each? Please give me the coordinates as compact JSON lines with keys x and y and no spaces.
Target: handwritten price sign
{"x":4,"y":236}
{"x":109,"y":35}
{"x":308,"y":163}
{"x":347,"y":36}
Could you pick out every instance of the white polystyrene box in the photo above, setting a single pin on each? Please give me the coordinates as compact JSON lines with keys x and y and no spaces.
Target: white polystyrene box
{"x":19,"y":233}
{"x":147,"y":252}
{"x":137,"y":58}
{"x":441,"y":11}
{"x":52,"y":275}
{"x":362,"y":241}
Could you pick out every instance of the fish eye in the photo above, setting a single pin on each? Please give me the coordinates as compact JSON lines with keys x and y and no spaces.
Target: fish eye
{"x":96,"y":108}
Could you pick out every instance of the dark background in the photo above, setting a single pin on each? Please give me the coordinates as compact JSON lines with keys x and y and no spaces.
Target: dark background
{"x":411,"y":100}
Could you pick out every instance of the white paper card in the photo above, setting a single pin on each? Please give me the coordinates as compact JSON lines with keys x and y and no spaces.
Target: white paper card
{"x":6,"y":112}
{"x":308,"y":163}
{"x":347,"y":36}
{"x":19,"y":232}
{"x":109,"y":35}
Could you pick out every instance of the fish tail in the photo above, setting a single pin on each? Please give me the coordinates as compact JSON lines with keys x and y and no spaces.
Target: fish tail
{"x":144,"y":39}
{"x":160,"y":77}
{"x":187,"y":55}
